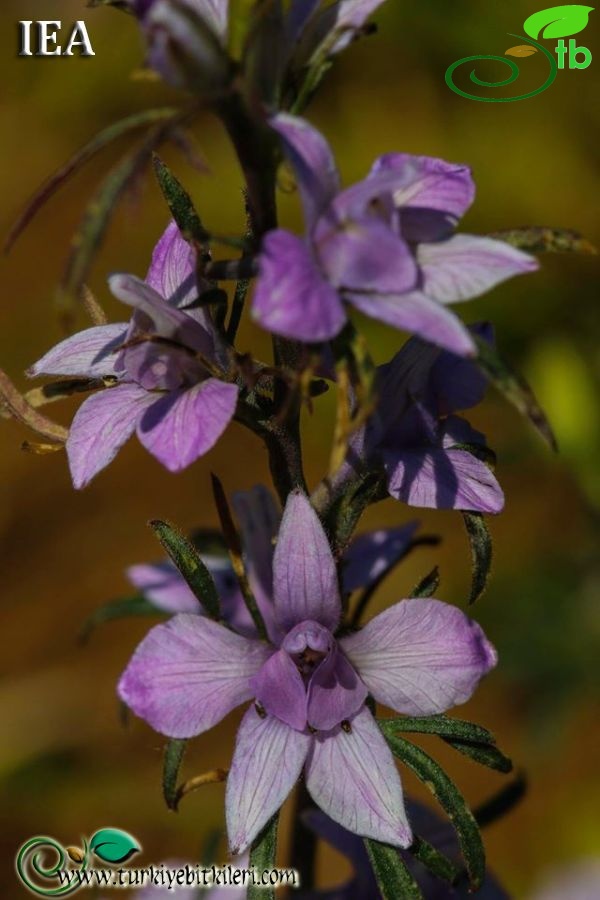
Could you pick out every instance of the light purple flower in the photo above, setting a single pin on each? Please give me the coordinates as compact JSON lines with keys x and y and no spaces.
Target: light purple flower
{"x":429,"y":454}
{"x":366,"y":559}
{"x":578,"y":881}
{"x":385,"y":246}
{"x":419,"y":657}
{"x":160,"y":363}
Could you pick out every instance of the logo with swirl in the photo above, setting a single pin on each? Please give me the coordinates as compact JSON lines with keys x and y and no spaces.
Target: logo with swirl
{"x":48,"y":869}
{"x":556,"y":22}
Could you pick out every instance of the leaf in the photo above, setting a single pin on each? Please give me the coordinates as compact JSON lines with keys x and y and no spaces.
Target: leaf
{"x":428,"y":585}
{"x":443,"y":726}
{"x":174,"y":752}
{"x":112,"y":845}
{"x":521,"y":50}
{"x":544,"y":239}
{"x":118,"y":609}
{"x":101,"y":140}
{"x":514,"y":387}
{"x":393,"y":877}
{"x":484,"y":754}
{"x":558,"y":21}
{"x":262,"y":858}
{"x":189,"y":563}
{"x":480,"y":541}
{"x":501,"y":803}
{"x":181,"y":205}
{"x":450,"y":798}
{"x":437,"y":863}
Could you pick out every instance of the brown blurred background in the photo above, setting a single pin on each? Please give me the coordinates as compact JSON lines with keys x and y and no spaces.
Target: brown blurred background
{"x":67,"y":766}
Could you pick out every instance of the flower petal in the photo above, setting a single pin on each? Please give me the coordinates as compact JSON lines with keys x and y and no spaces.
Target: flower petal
{"x":456,"y":383}
{"x":305,"y":584}
{"x":188,"y":674}
{"x":437,"y":478}
{"x":370,"y":554}
{"x":366,"y":255}
{"x":421,"y":657}
{"x":433,"y":196}
{"x":163,"y":585}
{"x":259,"y":519}
{"x":91,"y":353}
{"x":466,"y":266}
{"x":312,"y":161}
{"x":183,"y":425}
{"x":292,"y":298}
{"x":172,"y":272}
{"x":417,"y":313}
{"x":335,"y":692}
{"x":101,"y":426}
{"x":279,"y":688}
{"x":353,"y":778}
{"x":267,"y":762}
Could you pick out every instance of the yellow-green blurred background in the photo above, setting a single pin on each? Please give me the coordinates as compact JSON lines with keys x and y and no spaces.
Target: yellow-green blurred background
{"x":67,"y":765}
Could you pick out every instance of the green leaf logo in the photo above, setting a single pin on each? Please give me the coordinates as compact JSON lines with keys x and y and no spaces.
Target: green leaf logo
{"x":113,"y":846}
{"x":558,"y":21}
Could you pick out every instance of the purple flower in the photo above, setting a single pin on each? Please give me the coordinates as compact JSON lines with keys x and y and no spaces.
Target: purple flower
{"x":385,"y":246}
{"x":367,"y":557}
{"x":419,"y":657}
{"x":430,"y":455}
{"x":363,"y":885}
{"x":161,"y":364}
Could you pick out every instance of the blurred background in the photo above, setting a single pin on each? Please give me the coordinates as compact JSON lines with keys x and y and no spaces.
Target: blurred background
{"x":67,"y":764}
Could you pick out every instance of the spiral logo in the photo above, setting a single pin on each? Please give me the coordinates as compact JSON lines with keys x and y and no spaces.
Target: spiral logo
{"x":514,"y":74}
{"x":40,"y":861}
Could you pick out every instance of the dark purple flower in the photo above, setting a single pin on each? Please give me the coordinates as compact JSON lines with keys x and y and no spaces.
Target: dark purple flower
{"x":363,"y":885}
{"x":162,"y":365}
{"x":419,"y":657}
{"x":430,"y":455}
{"x":385,"y":246}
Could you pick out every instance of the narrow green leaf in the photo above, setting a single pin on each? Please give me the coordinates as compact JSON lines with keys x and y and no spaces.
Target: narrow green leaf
{"x":443,"y":726}
{"x":189,"y":563}
{"x":450,"y":798}
{"x":428,"y":586}
{"x":514,"y":387}
{"x":393,"y":877}
{"x":484,"y":754}
{"x":96,"y":220}
{"x":118,"y":609}
{"x":541,"y":239}
{"x":262,"y":858}
{"x":501,"y":803}
{"x":437,"y":863}
{"x":174,"y":752}
{"x":480,"y":542}
{"x":79,"y":159}
{"x":181,"y":205}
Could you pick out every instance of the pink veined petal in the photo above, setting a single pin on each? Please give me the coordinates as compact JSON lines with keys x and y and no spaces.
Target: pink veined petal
{"x":101,"y":426}
{"x":465,"y":266}
{"x":267,"y":762}
{"x":353,"y":778}
{"x":421,"y":657}
{"x":292,"y":298}
{"x":188,"y":674}
{"x":312,"y":161}
{"x":305,"y":585}
{"x":366,"y":255}
{"x":279,"y":688}
{"x":416,"y":313}
{"x":185,"y":424}
{"x":162,"y":584}
{"x":91,"y":353}
{"x":172,"y":272}
{"x":437,"y":478}
{"x":335,"y":692}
